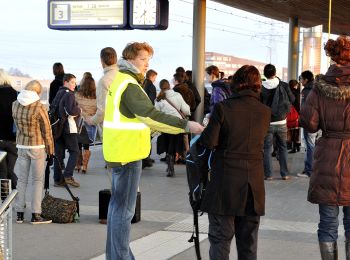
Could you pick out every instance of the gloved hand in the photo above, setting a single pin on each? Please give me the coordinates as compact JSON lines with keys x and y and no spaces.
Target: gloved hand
{"x":49,"y":159}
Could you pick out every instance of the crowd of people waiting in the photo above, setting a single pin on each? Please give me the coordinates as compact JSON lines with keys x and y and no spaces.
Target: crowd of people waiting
{"x":124,"y":106}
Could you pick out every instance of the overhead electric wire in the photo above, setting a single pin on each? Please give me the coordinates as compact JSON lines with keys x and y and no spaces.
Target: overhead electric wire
{"x":240,"y":16}
{"x":232,"y":32}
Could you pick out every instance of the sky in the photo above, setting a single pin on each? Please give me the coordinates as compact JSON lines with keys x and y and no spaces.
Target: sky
{"x":29,"y":45}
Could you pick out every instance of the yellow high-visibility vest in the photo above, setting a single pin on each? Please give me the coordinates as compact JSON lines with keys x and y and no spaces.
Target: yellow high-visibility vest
{"x":124,"y":139}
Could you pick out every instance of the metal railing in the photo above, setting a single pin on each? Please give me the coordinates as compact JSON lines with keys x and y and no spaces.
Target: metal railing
{"x":7,"y":198}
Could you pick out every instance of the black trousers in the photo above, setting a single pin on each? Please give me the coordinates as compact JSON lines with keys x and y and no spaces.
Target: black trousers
{"x":223,"y":228}
{"x":8,"y":164}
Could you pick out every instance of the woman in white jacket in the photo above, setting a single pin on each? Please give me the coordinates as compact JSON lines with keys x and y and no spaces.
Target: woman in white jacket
{"x":171,"y":103}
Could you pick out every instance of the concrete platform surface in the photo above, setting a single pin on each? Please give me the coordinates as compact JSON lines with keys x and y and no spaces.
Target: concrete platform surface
{"x":288,"y":231}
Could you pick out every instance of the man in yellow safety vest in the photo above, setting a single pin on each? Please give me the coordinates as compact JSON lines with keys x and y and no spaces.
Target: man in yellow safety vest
{"x":129,"y":115}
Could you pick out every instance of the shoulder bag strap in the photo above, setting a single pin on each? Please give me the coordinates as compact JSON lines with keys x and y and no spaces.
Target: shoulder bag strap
{"x":181,"y":113}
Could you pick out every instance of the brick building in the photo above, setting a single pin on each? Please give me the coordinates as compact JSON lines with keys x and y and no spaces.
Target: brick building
{"x":230,"y":64}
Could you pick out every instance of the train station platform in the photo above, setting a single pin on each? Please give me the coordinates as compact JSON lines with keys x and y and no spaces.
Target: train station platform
{"x":287,"y":231}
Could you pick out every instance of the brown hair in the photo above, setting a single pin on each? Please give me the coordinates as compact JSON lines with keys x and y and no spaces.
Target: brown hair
{"x":339,"y":50}
{"x":151,"y":73}
{"x":132,"y":50}
{"x":57,"y":69}
{"x":180,"y":77}
{"x":213,"y":70}
{"x":292,"y":83}
{"x":88,"y":88}
{"x":109,"y":56}
{"x":163,"y":85}
{"x":246,"y":77}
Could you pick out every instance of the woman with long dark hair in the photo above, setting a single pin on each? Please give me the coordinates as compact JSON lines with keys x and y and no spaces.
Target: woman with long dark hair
{"x":235,"y":193}
{"x":86,"y":99}
{"x":328,"y":108}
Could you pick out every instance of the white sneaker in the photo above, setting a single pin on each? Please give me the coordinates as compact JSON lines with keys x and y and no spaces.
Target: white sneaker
{"x":303,"y":175}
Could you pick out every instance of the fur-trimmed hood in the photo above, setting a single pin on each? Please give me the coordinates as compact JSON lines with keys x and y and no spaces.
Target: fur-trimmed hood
{"x":335,"y":83}
{"x":331,"y":89}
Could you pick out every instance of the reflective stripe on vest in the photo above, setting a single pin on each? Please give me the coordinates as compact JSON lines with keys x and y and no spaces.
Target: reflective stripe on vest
{"x":124,"y":139}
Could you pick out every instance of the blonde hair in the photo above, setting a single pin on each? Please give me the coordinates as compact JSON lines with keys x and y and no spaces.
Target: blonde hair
{"x":34,"y":85}
{"x":4,"y":78}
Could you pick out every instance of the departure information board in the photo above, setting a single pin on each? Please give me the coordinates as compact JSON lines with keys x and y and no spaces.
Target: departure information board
{"x":98,"y":14}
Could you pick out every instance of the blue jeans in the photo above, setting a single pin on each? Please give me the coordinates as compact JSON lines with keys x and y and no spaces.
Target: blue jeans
{"x":328,"y":226}
{"x":91,"y":130}
{"x":69,"y":142}
{"x":310,"y":147}
{"x":121,"y":209}
{"x":280,"y":133}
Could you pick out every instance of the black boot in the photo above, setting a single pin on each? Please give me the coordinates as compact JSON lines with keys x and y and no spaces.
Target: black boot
{"x":294,"y":150}
{"x":347,"y":249}
{"x":329,"y":250}
{"x":170,"y":161}
{"x":297,"y":146}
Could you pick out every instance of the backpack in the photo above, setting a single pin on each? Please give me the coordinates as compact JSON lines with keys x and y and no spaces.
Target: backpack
{"x":280,"y":103}
{"x":198,"y":171}
{"x":56,"y":120}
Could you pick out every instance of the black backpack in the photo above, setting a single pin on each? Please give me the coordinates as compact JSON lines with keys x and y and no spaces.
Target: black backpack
{"x":281,"y":102}
{"x":198,"y":171}
{"x":56,"y":119}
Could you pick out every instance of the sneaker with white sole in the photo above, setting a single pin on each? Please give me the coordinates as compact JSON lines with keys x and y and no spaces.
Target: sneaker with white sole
{"x":38,"y":219}
{"x":303,"y":175}
{"x":20,"y":217}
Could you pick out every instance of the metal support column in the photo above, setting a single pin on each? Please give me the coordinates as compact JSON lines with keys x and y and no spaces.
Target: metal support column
{"x":198,"y":52}
{"x":293,"y":48}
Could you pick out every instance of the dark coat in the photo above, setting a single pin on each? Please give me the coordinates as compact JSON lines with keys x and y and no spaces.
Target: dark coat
{"x":306,"y":91}
{"x":236,"y":131}
{"x":7,"y":96}
{"x":54,"y":87}
{"x":186,"y":94}
{"x":296,"y":103}
{"x":67,"y":106}
{"x":328,"y":108}
{"x":150,"y":90}
{"x":197,"y":97}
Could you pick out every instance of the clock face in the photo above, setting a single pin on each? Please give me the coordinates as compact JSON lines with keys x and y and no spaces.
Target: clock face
{"x":144,"y":12}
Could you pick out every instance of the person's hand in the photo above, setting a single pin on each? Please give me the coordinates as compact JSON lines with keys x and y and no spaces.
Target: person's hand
{"x":195,"y":127}
{"x":49,"y":159}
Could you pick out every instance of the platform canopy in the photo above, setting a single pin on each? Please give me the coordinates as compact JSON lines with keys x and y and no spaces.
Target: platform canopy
{"x":309,"y":12}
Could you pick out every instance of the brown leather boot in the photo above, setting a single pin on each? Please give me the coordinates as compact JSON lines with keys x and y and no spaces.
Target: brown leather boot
{"x":86,"y":158}
{"x":79,"y":162}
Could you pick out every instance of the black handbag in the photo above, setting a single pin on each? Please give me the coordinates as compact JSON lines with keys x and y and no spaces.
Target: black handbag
{"x":83,"y":136}
{"x":56,"y":209}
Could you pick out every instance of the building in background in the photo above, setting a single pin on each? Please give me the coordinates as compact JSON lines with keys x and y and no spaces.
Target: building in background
{"x":230,"y":64}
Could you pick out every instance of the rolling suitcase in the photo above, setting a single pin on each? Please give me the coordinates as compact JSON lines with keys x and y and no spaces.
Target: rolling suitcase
{"x":103,"y":201}
{"x":137,"y":215}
